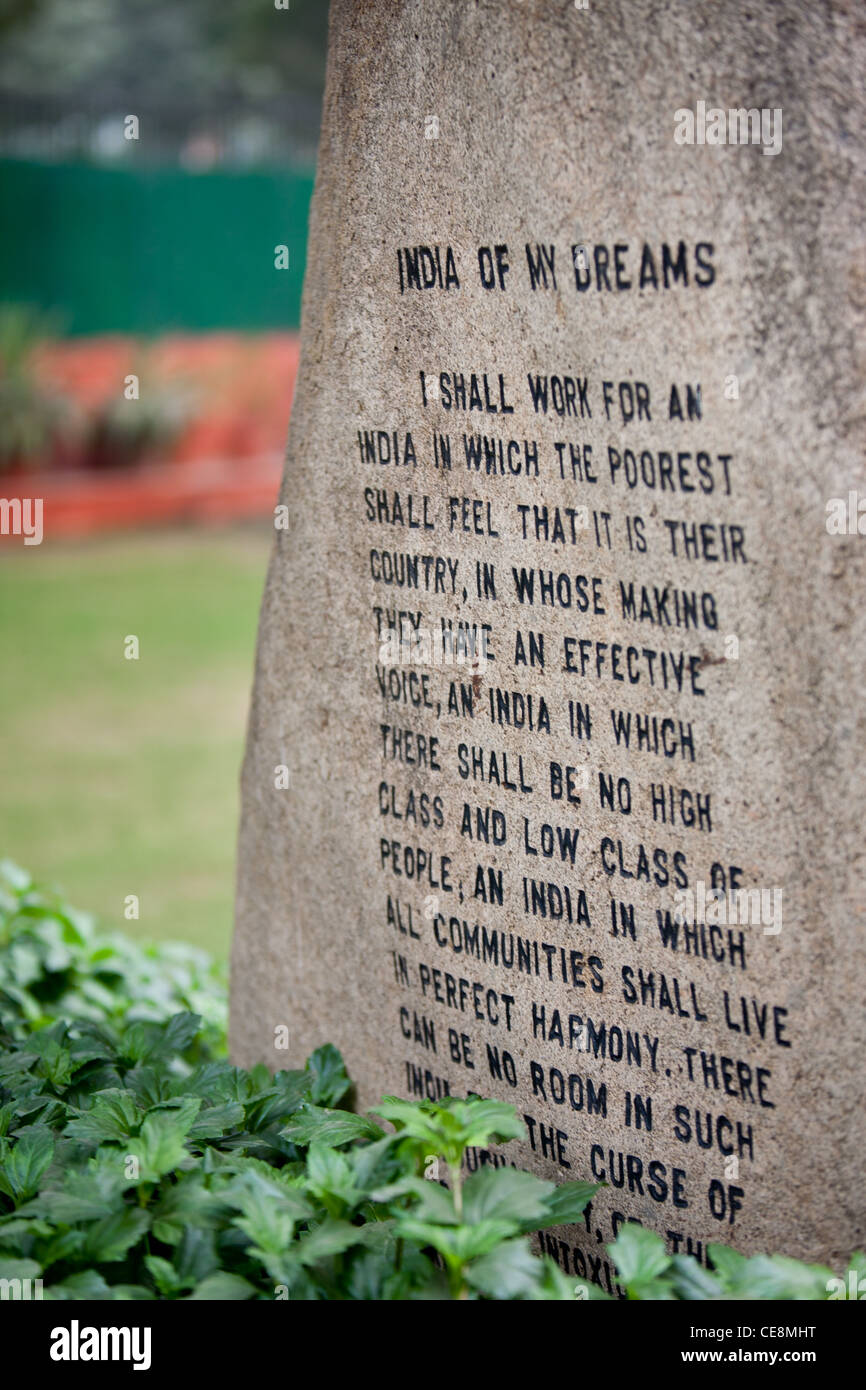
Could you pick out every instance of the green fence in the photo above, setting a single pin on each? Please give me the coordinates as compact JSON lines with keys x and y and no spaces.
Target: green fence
{"x":153,"y":250}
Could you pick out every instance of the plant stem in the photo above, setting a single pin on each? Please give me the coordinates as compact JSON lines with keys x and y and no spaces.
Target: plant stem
{"x":457,"y":1188}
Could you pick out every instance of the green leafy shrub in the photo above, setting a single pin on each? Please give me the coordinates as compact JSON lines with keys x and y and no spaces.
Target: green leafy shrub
{"x":55,"y":964}
{"x":126,"y":1174}
{"x":137,"y":1163}
{"x":647,"y":1272}
{"x":33,"y":417}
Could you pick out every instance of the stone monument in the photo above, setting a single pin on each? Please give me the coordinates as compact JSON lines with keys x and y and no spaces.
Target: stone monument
{"x":553,"y":785}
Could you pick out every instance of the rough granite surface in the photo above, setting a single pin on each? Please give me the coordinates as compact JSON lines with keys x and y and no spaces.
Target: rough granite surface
{"x":556,"y":126}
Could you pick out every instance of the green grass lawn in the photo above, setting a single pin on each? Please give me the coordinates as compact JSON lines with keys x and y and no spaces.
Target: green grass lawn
{"x":118,"y":776}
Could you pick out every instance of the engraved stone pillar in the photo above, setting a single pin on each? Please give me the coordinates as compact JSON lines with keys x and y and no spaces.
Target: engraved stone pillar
{"x":562,"y":648}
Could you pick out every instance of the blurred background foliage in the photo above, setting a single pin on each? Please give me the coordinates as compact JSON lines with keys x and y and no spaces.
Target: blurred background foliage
{"x":154,"y":256}
{"x":242,"y":73}
{"x":102,"y":220}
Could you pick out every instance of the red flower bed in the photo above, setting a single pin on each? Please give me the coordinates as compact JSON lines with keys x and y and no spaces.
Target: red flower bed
{"x":219,"y":457}
{"x":240,"y":388}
